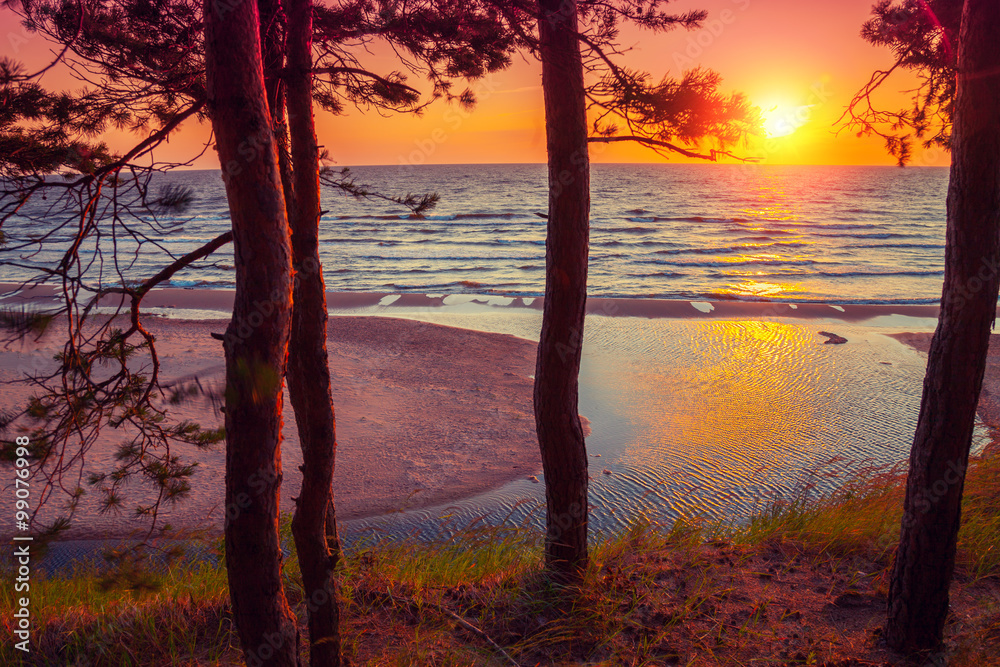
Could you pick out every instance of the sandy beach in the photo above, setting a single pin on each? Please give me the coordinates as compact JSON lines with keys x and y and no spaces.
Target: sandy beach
{"x":425,"y":414}
{"x":694,"y":405}
{"x":989,"y":397}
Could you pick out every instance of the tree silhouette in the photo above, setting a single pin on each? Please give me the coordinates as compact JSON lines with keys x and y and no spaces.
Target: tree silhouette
{"x":951,"y":46}
{"x":670,"y":116}
{"x":256,"y":340}
{"x":924,"y":563}
{"x":923,"y":37}
{"x":306,"y":54}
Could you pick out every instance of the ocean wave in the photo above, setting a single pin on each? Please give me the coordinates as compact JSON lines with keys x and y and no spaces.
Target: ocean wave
{"x":730,"y":249}
{"x":832,"y":274}
{"x":752,"y":262}
{"x":877,"y":274}
{"x":658,"y":274}
{"x":880,"y":236}
{"x":457,"y":269}
{"x":441,"y":217}
{"x":444,"y":258}
{"x":654,"y":233}
{"x":764,"y":234}
{"x":923,"y":246}
{"x":625,"y":230}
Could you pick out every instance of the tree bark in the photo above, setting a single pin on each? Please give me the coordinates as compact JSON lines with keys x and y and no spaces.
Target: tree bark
{"x":273,"y":48}
{"x":256,"y":340}
{"x":924,"y":563}
{"x":308,"y":368}
{"x":557,"y":369}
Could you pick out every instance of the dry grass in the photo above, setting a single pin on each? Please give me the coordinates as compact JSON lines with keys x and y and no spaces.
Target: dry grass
{"x":803,"y":583}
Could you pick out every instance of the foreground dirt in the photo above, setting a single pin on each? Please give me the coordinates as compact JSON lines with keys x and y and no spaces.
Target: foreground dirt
{"x":716,"y":604}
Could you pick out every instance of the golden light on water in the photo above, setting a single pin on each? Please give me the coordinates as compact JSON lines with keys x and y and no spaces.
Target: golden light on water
{"x":772,"y":204}
{"x":760,"y":288}
{"x":739,"y":390}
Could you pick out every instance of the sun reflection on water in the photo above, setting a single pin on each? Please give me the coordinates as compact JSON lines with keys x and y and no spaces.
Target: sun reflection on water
{"x":769,"y":212}
{"x":736,"y":406}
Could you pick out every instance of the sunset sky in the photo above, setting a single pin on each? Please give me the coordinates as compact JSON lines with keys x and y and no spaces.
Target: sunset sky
{"x":799,"y":61}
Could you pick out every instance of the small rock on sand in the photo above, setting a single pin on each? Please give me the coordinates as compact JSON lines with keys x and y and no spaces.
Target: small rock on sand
{"x":833,"y":338}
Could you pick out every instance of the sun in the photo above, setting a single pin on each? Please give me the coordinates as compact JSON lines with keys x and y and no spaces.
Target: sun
{"x":781,"y":120}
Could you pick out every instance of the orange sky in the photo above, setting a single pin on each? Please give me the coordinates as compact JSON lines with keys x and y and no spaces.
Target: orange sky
{"x":800,"y":61}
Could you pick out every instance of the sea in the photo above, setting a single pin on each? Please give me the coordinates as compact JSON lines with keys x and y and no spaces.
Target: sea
{"x":833,"y":234}
{"x":689,"y":416}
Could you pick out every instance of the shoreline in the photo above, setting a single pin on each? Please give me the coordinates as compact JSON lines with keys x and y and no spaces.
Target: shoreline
{"x":989,"y":397}
{"x":202,"y":302}
{"x":434,"y":403}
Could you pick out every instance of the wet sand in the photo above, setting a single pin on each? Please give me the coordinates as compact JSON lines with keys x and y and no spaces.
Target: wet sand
{"x":203,"y":301}
{"x":989,"y":398}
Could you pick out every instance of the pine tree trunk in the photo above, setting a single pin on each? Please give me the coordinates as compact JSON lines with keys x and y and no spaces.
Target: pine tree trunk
{"x":308,"y":367}
{"x":557,"y":420}
{"x":272,"y":46}
{"x":256,"y":341}
{"x":924,"y":563}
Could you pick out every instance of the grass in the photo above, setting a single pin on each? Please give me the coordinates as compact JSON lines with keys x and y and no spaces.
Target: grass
{"x":804,"y":582}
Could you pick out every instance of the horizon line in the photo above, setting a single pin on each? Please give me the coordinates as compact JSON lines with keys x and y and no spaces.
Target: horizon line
{"x":542,"y":164}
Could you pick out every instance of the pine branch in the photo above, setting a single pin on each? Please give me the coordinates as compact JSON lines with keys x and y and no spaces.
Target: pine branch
{"x":712,"y":156}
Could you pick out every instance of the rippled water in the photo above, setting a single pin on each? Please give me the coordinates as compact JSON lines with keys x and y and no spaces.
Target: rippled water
{"x":712,"y":417}
{"x":845,"y":234}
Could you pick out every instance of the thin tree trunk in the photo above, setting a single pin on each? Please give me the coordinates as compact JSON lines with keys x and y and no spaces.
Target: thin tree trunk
{"x":256,"y":341}
{"x":557,"y":420}
{"x":924,"y":563}
{"x":273,"y":47}
{"x":308,"y":368}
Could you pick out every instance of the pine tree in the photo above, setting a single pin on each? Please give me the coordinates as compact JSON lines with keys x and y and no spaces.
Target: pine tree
{"x":672,"y":115}
{"x":925,"y":560}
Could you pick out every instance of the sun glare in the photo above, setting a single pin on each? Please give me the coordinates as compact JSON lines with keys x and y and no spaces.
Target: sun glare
{"x":781,"y":120}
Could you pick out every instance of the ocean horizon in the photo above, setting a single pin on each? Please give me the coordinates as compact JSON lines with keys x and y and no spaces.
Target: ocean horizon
{"x":843,"y":234}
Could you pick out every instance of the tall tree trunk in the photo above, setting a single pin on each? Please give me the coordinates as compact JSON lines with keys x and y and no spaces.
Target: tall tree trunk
{"x":273,"y":29}
{"x":256,"y":341}
{"x":922,"y":570}
{"x":308,"y":368}
{"x":557,"y":369}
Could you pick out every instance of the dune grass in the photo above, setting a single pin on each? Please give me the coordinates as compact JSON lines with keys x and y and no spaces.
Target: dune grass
{"x":863,"y":517}
{"x":803,"y":582}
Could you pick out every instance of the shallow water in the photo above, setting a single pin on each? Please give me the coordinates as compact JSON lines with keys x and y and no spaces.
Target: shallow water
{"x":709,"y":417}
